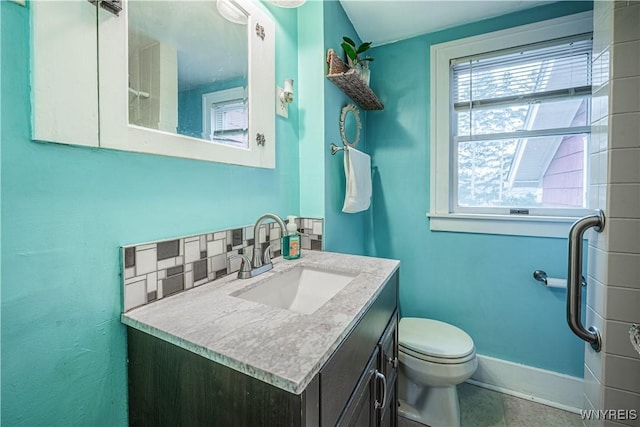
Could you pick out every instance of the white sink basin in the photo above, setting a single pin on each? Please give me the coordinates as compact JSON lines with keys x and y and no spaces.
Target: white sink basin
{"x":302,"y":289}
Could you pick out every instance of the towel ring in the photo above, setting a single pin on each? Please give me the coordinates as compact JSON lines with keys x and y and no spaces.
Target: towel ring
{"x":350,"y":123}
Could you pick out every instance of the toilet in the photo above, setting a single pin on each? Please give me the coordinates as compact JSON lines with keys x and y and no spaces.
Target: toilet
{"x":434,"y":358}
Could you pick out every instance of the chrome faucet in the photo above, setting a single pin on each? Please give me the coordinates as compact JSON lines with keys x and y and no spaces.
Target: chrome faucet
{"x":259,"y":264}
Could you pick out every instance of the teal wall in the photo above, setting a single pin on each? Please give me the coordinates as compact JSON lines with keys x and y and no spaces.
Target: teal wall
{"x":65,"y":212}
{"x":321,"y":26}
{"x":481,"y":283}
{"x":344,"y":232}
{"x":310,"y":99}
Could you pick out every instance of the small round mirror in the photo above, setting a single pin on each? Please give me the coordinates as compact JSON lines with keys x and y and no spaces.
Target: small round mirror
{"x":350,"y":125}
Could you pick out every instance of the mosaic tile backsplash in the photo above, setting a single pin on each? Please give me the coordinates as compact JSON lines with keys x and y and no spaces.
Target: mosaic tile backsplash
{"x":152,"y":271}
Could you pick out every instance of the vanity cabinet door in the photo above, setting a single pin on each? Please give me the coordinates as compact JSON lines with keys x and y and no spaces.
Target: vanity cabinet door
{"x":342,"y":374}
{"x":389,"y":368}
{"x":360,"y":411}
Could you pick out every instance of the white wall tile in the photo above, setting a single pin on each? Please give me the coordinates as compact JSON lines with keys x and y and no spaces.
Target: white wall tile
{"x":594,"y":360}
{"x":234,"y":264}
{"x":188,"y":279}
{"x":625,"y":130}
{"x":623,"y":235}
{"x":129,"y":272}
{"x":191,"y":251}
{"x":262,"y":234}
{"x":603,"y":26}
{"x":622,"y":304}
{"x":152,"y":282}
{"x":624,"y":166}
{"x":623,"y":201}
{"x":625,"y":59}
{"x":623,"y":270}
{"x":215,"y":247}
{"x":135,"y":294}
{"x":625,"y":23}
{"x":218,"y":262}
{"x":317,"y":227}
{"x":618,"y":399}
{"x":617,"y":340}
{"x":625,"y":95}
{"x":248,"y":233}
{"x":600,"y":69}
{"x":603,"y":196}
{"x":597,"y":265}
{"x":305,"y":242}
{"x":622,"y":372}
{"x":598,"y":168}
{"x":596,"y":295}
{"x":166,"y":263}
{"x":600,"y":103}
{"x":599,"y":240}
{"x":592,"y":388}
{"x":275,"y":233}
{"x":146,"y":261}
{"x":603,"y":167}
{"x":599,"y":135}
{"x":594,"y":201}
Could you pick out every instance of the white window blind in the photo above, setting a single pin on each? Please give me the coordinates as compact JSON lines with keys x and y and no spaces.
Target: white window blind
{"x":520,"y":125}
{"x":230,"y":121}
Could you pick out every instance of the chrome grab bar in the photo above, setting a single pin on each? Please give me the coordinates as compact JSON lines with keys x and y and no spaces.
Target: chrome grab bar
{"x":574,"y":278}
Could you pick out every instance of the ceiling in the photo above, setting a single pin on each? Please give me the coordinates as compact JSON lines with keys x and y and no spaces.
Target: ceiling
{"x":386,"y":21}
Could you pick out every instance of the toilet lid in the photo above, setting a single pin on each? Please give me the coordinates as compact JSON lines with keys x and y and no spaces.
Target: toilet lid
{"x":434,"y":338}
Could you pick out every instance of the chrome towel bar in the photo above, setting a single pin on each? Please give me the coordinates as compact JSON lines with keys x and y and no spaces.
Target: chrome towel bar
{"x":334,"y":148}
{"x":574,"y":278}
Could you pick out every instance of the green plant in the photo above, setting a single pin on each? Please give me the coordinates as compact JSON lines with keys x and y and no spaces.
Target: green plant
{"x":353,"y":52}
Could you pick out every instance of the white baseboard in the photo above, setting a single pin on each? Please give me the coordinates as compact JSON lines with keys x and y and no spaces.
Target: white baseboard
{"x":546,"y":387}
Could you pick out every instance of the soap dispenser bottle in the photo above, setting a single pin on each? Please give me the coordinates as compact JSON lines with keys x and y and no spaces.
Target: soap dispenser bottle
{"x":291,"y":242}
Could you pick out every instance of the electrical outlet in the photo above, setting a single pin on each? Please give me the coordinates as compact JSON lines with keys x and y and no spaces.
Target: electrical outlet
{"x":20,"y":2}
{"x":282,"y":108}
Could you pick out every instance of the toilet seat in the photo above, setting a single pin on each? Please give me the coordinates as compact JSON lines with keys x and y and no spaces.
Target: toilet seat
{"x":434,"y":341}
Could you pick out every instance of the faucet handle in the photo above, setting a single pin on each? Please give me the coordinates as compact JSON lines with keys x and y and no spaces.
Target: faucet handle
{"x":267,"y":255}
{"x":245,"y":266}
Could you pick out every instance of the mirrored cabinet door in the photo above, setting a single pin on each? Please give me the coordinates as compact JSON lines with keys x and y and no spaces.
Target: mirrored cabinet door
{"x":187,"y":79}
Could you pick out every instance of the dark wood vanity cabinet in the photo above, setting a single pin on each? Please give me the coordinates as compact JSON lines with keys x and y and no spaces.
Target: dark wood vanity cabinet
{"x":374,"y":401}
{"x":171,"y":386}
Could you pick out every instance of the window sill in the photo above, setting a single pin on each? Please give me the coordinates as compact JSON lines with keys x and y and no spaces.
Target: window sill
{"x":536,"y":226}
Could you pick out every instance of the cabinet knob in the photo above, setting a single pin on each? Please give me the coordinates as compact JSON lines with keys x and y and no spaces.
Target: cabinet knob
{"x":393,"y":361}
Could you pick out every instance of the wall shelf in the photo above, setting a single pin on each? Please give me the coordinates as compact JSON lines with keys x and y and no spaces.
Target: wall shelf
{"x":349,"y":82}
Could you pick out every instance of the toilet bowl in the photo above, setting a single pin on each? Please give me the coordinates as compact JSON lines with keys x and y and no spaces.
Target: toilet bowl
{"x":434,"y":358}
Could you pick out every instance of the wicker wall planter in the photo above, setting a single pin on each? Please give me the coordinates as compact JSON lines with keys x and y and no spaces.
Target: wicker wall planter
{"x":350,"y":82}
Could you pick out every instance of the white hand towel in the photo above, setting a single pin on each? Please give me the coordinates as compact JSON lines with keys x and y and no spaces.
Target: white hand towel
{"x":357,"y":169}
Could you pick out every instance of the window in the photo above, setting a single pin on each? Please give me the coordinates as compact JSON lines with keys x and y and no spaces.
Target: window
{"x":511,"y":141}
{"x":225,"y":118}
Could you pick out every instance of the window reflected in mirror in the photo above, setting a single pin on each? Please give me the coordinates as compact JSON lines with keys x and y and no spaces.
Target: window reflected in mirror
{"x":188,"y":69}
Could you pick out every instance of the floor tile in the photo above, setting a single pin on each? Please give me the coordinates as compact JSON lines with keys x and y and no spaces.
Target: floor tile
{"x":480,"y":407}
{"x":524,"y":413}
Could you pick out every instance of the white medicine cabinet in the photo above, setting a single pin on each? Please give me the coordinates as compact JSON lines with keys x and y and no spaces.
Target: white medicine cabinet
{"x":188,"y":79}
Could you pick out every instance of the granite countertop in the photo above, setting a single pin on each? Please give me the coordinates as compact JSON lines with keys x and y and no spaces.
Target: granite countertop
{"x":280,"y":347}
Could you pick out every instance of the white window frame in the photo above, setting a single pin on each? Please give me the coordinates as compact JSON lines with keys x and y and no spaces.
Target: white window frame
{"x":209,"y":100}
{"x":441,"y":217}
